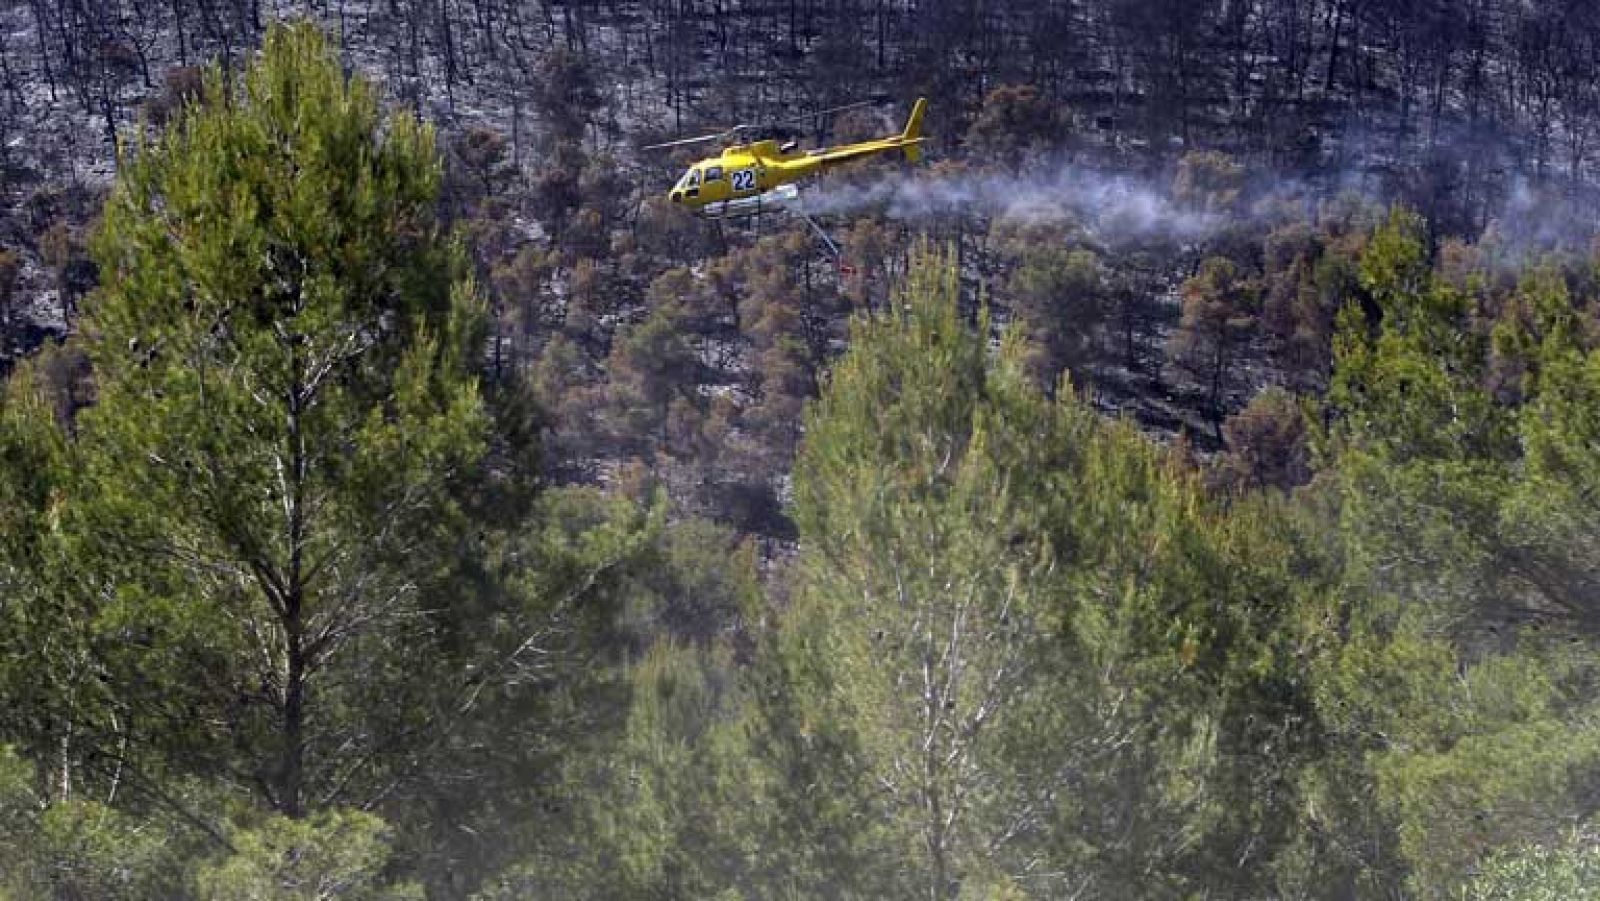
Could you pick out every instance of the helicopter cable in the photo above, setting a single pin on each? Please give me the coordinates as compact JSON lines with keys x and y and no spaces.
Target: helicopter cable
{"x":832,"y":247}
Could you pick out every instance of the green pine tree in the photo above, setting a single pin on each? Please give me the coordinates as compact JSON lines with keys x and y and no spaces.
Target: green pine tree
{"x":1039,"y":663}
{"x":1459,"y":654}
{"x":288,"y":419}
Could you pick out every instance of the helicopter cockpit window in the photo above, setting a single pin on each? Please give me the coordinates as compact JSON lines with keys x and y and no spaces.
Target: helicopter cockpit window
{"x":714,"y":174}
{"x":692,"y":180}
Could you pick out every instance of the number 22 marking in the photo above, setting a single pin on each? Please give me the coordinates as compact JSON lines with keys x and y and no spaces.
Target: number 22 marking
{"x":744,"y":180}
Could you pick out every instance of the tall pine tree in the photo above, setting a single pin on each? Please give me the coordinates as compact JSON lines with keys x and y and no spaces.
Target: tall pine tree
{"x":288,"y":418}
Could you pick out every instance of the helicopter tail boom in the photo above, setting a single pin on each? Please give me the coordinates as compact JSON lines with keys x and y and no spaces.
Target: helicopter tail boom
{"x":908,"y":142}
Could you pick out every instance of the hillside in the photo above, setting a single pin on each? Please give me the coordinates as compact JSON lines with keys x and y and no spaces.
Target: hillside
{"x":1179,"y":484}
{"x":1474,"y":113}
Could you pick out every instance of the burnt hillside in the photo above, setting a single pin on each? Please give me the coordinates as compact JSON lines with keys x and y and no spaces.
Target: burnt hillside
{"x":1144,"y":136}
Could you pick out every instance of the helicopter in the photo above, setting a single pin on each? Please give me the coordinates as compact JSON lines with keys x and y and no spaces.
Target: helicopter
{"x":747,"y":177}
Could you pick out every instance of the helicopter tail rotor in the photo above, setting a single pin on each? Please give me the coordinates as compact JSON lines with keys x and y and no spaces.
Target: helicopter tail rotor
{"x":911,"y":138}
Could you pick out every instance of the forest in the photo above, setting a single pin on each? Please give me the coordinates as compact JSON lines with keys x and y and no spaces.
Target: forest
{"x":1184,"y":483}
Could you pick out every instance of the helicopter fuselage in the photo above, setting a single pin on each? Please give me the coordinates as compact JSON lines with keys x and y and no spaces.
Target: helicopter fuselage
{"x":746,"y":177}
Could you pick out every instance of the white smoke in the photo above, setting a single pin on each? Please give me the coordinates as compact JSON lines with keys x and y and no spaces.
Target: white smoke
{"x":1525,"y":220}
{"x":1101,"y":203}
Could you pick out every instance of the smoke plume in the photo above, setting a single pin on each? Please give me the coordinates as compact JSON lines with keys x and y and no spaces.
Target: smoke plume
{"x":1524,"y":220}
{"x":1103,"y":204}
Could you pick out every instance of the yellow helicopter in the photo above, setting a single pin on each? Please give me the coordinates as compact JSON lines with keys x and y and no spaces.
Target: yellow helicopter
{"x":749,"y":177}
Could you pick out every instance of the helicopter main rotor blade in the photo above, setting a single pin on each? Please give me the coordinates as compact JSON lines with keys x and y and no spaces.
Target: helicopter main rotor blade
{"x":684,"y":141}
{"x":736,"y":129}
{"x":823,"y":112}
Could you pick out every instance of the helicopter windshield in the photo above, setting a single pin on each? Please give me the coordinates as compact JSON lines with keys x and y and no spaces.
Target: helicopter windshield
{"x":690,"y":179}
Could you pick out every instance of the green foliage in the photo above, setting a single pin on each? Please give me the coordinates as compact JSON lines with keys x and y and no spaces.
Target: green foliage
{"x":46,"y":657}
{"x":686,"y":817}
{"x":1061,"y":296}
{"x":664,"y":804}
{"x":1410,"y":383}
{"x":331,"y":854}
{"x":696,"y":582}
{"x":19,"y":810}
{"x":540,"y":633}
{"x":651,"y":365}
{"x":1461,"y":671}
{"x":79,"y":848}
{"x":283,"y":560}
{"x":271,"y":487}
{"x":915,"y":615}
{"x":1569,"y":871}
{"x":1028,"y":641}
{"x":34,"y":455}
